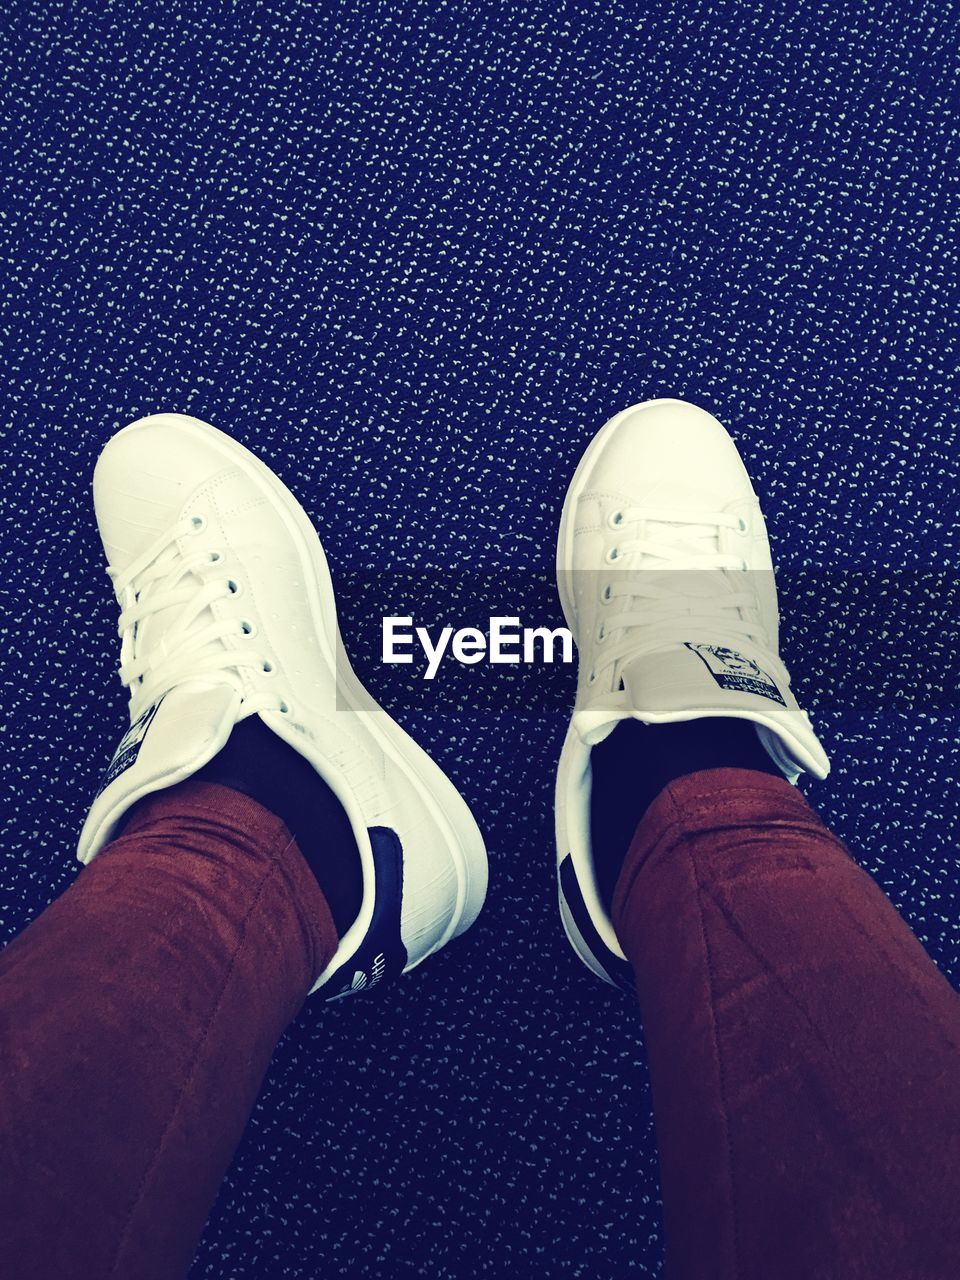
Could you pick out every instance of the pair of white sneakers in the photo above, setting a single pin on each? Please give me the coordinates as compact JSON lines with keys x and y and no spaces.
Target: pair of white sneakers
{"x":227,"y":611}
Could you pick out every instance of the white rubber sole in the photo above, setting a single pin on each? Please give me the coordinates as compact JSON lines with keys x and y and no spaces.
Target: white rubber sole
{"x":603,"y":927}
{"x":576,"y":940}
{"x":445,"y":804}
{"x":574,"y":936}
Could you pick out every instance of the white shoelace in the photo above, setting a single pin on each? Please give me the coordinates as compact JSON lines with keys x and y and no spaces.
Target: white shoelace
{"x":190,"y":645}
{"x":677,"y":584}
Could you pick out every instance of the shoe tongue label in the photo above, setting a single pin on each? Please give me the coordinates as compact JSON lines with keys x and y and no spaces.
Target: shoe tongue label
{"x":735,"y":671}
{"x":129,"y":748}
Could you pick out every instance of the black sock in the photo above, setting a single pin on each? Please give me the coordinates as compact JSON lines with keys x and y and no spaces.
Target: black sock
{"x":262,"y":766}
{"x":633,"y":765}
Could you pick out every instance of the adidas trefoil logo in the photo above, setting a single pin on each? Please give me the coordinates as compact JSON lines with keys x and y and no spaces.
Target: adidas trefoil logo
{"x":361,"y":981}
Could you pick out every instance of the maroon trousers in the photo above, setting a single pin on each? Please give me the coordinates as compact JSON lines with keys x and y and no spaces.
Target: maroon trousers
{"x":803,"y":1048}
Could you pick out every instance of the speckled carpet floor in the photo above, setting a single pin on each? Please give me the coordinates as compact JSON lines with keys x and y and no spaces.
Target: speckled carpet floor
{"x":415,"y":254}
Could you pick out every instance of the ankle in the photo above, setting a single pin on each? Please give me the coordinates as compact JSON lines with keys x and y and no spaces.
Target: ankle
{"x":636,"y":761}
{"x":261,"y":765}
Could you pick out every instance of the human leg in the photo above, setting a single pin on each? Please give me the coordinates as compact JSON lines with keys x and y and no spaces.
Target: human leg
{"x":804,"y":1050}
{"x":237,"y":680}
{"x":775,"y":953}
{"x":139,"y":1013}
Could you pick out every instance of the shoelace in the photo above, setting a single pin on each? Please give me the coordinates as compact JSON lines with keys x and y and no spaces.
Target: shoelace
{"x":163,"y":577}
{"x":681,"y":595}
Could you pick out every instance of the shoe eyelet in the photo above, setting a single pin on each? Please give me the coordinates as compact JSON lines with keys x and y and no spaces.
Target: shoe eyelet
{"x":233,"y":586}
{"x":612,"y":554}
{"x":215,"y":557}
{"x":268,"y":668}
{"x":606,"y":595}
{"x":198,"y":524}
{"x":601,"y":634}
{"x":247,"y":628}
{"x":592,"y":678}
{"x":615,"y":519}
{"x":742,"y":525}
{"x":284,"y":708}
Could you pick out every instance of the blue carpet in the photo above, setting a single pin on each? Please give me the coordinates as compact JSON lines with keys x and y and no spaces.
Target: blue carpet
{"x":415,"y":254}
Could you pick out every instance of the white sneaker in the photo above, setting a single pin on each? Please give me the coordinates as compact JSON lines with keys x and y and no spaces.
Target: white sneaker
{"x":666,"y":582}
{"x":228,"y":611}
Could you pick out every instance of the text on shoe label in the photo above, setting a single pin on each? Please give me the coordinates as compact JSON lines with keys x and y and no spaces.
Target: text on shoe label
{"x":129,"y":748}
{"x":737,"y":672}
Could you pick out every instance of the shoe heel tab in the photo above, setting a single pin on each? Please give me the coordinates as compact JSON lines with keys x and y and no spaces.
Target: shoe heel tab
{"x":380,"y":955}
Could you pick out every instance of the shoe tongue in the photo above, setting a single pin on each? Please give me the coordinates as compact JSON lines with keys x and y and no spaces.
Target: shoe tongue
{"x":693,"y":676}
{"x":693,"y":679}
{"x":167,"y":744}
{"x":680,"y":681}
{"x":684,"y":535}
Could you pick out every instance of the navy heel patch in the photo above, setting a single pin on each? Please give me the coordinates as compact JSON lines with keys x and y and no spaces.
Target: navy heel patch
{"x":381,"y":956}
